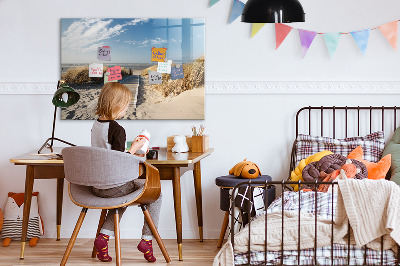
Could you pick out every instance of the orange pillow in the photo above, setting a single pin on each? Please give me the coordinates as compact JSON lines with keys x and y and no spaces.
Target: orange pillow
{"x":375,"y":170}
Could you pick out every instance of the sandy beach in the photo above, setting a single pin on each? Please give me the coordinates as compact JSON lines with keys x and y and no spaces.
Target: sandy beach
{"x":151,"y":104}
{"x":187,"y":105}
{"x":173,"y":99}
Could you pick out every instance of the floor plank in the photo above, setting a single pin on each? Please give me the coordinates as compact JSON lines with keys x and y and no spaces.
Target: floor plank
{"x":50,"y":252}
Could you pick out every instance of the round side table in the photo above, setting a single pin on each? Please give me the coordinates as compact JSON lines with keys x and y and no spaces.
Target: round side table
{"x":228,"y":182}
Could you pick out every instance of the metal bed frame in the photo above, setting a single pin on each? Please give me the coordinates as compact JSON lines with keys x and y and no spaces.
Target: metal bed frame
{"x":283,"y":184}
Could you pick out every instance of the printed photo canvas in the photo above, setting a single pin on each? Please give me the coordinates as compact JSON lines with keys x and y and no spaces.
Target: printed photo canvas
{"x":160,"y":60}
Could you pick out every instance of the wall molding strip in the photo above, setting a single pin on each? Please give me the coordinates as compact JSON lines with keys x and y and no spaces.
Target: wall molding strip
{"x":248,"y":87}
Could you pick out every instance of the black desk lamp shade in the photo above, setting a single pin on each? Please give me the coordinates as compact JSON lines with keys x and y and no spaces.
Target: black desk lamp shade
{"x":64,"y":96}
{"x":273,"y":11}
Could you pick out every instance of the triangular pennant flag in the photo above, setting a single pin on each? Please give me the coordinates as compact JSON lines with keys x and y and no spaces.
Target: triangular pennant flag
{"x":306,"y":39}
{"x":213,"y":2}
{"x":237,"y":9}
{"x":256,"y":28}
{"x":281,"y":31}
{"x":332,"y":41}
{"x":390,"y":32}
{"x":361,"y":37}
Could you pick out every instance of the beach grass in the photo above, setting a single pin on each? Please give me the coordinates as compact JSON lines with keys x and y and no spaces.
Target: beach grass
{"x":193,"y":78}
{"x":80,"y":75}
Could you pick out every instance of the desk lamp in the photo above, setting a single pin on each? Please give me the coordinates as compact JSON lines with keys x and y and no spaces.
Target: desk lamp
{"x":64,"y":96}
{"x":273,"y":11}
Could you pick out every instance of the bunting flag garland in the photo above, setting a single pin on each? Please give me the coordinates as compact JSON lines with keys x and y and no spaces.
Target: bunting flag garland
{"x":332,"y":41}
{"x":213,"y":2}
{"x":281,"y":31}
{"x":389,"y":30}
{"x":256,"y":27}
{"x":306,"y":39}
{"x":237,"y":9}
{"x":361,"y":37}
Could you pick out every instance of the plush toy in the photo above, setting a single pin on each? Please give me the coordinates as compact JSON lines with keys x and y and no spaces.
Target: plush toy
{"x":180,"y":144}
{"x":13,"y":215}
{"x":375,"y":170}
{"x":245,"y":169}
{"x":296,"y":174}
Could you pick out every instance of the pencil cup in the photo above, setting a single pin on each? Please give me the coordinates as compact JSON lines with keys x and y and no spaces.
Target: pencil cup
{"x":200,"y":143}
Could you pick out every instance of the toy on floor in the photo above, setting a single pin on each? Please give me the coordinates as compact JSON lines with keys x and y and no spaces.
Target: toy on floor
{"x":13,"y":215}
{"x":245,"y":169}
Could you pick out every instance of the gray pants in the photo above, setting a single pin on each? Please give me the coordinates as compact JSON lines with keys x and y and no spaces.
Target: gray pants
{"x":154,"y":208}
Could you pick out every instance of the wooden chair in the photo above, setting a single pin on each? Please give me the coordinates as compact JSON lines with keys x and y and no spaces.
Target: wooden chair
{"x":85,"y":167}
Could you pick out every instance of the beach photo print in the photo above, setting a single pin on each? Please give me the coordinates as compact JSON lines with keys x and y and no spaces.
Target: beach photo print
{"x":160,"y":60}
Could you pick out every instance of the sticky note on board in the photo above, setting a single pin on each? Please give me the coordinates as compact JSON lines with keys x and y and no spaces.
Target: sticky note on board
{"x":104,"y":53}
{"x":177,"y":73}
{"x":95,"y":70}
{"x":164,"y":67}
{"x":158,"y":54}
{"x":155,"y":77}
{"x":115,"y":73}
{"x":106,"y":75}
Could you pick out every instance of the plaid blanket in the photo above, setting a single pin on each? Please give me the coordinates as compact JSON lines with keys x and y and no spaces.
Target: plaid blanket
{"x":323,"y":205}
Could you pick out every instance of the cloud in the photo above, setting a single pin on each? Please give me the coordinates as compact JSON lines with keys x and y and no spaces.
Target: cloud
{"x":153,"y":42}
{"x":87,"y":34}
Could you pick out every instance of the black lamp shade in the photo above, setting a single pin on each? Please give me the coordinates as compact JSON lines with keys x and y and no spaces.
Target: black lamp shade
{"x":73,"y":96}
{"x":273,"y":11}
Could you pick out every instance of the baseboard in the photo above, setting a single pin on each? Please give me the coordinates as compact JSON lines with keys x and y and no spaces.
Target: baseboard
{"x":248,"y":87}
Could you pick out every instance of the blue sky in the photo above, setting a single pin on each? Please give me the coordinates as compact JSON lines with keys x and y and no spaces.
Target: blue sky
{"x":131,"y":39}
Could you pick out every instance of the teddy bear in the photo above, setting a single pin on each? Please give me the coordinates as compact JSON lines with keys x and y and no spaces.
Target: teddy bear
{"x":13,"y":215}
{"x":245,"y":169}
{"x":180,"y":144}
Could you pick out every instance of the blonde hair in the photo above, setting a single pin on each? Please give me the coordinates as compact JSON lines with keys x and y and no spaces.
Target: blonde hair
{"x":113,"y":98}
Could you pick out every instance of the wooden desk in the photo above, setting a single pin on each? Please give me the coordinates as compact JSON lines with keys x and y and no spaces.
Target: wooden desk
{"x":168,"y":164}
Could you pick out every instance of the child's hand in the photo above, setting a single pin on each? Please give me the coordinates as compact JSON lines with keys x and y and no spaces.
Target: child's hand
{"x":143,"y":155}
{"x":137,"y":144}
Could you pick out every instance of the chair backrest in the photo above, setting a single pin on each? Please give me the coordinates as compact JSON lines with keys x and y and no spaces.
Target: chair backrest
{"x":92,"y":166}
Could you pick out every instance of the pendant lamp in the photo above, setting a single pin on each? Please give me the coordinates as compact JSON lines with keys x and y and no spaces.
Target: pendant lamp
{"x":64,"y":96}
{"x":273,"y":11}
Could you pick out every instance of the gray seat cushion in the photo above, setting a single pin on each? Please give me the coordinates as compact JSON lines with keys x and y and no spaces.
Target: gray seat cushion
{"x":83,"y":196}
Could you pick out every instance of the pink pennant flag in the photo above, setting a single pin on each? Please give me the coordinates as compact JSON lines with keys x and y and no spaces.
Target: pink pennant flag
{"x":306,"y":39}
{"x":389,"y":30}
{"x":281,"y":31}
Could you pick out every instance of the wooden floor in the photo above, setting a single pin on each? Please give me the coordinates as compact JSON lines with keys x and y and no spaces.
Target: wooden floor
{"x":50,"y":252}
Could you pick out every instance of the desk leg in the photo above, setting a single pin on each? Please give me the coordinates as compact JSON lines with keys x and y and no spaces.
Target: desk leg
{"x":60,"y":190}
{"x":199,"y":204}
{"x":176,"y":182}
{"x":27,"y":206}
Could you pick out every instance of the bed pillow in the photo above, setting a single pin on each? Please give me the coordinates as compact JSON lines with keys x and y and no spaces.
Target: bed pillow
{"x":372,"y":145}
{"x":375,"y":170}
{"x":393,"y":148}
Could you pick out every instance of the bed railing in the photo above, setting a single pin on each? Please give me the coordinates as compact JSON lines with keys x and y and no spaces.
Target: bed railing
{"x":331,"y":119}
{"x":265,"y":185}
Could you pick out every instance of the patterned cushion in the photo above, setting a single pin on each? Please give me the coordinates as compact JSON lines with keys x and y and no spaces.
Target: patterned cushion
{"x":372,"y":144}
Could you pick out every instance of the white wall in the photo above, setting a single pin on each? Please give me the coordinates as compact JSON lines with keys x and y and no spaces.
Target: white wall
{"x":257,"y":126}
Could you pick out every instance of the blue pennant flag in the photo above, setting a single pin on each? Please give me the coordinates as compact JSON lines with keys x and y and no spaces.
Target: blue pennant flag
{"x":237,"y":9}
{"x":332,"y":41}
{"x":213,"y":2}
{"x":361,"y":38}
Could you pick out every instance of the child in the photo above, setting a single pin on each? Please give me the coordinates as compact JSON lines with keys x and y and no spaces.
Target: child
{"x":107,"y":133}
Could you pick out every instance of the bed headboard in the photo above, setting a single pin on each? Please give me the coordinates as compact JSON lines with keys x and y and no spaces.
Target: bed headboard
{"x":344,"y":121}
